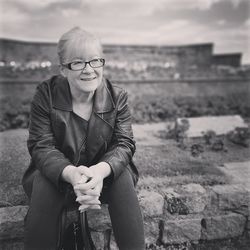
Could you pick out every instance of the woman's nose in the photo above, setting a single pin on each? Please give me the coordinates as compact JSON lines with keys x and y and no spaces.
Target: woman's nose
{"x":88,"y":69}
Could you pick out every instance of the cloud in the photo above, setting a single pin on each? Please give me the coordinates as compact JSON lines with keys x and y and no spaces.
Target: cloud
{"x":224,"y":22}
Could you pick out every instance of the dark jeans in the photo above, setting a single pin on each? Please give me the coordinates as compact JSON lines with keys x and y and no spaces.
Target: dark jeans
{"x":125,"y":212}
{"x":41,"y":224}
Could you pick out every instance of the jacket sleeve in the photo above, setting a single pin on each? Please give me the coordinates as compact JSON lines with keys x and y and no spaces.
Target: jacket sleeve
{"x":41,"y":142}
{"x":122,"y":146}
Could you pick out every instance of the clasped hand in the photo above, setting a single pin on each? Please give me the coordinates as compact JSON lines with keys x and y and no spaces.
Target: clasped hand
{"x":87,"y":183}
{"x":88,"y":188}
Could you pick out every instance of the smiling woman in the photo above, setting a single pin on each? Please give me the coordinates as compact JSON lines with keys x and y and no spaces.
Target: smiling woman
{"x":81,"y":146}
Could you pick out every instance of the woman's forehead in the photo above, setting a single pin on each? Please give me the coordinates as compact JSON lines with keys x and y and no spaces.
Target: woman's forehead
{"x":83,"y":49}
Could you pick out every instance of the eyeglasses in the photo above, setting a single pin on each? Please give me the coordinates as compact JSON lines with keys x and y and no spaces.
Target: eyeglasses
{"x":80,"y":65}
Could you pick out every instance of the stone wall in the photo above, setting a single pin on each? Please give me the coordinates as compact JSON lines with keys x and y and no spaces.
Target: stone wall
{"x":176,"y":216}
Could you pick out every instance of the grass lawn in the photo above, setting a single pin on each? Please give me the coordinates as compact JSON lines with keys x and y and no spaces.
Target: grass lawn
{"x":168,"y":163}
{"x":171,"y":165}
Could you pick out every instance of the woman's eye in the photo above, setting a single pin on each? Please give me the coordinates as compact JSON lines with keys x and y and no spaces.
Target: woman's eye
{"x":76,"y":63}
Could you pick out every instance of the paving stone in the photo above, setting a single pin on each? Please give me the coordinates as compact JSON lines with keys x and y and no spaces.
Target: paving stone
{"x":230,"y":197}
{"x":219,"y":124}
{"x":98,"y":239}
{"x":193,"y":196}
{"x":151,"y":229}
{"x":182,"y":230}
{"x":222,"y":226}
{"x":12,"y":222}
{"x":151,"y":202}
{"x":12,"y":245}
{"x":113,"y":245}
{"x":146,"y":134}
{"x":239,"y":172}
{"x":99,"y":220}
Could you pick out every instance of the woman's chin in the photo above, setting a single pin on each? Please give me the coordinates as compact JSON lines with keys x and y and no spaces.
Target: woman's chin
{"x":88,"y":86}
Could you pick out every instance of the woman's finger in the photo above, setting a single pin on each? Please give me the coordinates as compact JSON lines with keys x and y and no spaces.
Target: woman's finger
{"x":92,"y":192}
{"x":88,"y":185}
{"x":85,"y":171}
{"x":86,"y":197}
{"x":86,"y":207}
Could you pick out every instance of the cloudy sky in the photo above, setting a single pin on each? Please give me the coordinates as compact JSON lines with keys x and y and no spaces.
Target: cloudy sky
{"x":226,"y":23}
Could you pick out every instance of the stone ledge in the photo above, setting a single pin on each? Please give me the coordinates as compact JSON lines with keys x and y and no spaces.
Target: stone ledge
{"x":223,"y":226}
{"x":230,"y":197}
{"x":190,"y":199}
{"x":182,"y":230}
{"x":151,"y":202}
{"x":159,"y":226}
{"x":12,"y":222}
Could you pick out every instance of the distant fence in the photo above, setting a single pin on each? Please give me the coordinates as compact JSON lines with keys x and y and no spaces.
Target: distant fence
{"x":148,"y":81}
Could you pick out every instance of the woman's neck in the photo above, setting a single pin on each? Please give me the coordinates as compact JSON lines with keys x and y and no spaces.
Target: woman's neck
{"x":80,"y":97}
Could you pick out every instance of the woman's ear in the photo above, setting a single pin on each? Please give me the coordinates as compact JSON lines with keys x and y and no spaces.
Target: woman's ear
{"x":62,"y":70}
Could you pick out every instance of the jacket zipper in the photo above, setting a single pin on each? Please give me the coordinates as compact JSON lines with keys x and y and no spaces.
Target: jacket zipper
{"x":79,"y":152}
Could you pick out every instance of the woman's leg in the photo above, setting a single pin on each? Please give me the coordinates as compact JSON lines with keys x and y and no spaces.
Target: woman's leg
{"x":125,"y":214}
{"x":42,"y":220}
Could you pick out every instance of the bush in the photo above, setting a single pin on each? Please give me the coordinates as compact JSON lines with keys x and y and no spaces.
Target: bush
{"x":144,"y":109}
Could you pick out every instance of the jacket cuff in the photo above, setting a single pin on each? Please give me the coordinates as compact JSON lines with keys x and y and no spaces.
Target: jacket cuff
{"x":54,"y":172}
{"x":117,"y":164}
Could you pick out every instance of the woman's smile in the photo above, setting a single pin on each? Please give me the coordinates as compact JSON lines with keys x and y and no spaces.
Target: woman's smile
{"x":88,"y":78}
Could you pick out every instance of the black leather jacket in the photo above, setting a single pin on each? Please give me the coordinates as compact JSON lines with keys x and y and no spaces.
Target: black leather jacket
{"x":55,"y":139}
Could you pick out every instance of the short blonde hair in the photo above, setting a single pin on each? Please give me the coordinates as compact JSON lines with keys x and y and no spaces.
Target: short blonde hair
{"x":72,"y":39}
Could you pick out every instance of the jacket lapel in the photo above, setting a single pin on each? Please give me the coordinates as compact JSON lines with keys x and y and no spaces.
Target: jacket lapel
{"x":101,"y":122}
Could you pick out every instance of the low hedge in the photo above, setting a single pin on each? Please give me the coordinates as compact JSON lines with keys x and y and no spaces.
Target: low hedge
{"x":15,"y":112}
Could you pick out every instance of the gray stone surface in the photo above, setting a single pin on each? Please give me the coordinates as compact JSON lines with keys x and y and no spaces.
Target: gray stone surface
{"x":222,"y":226}
{"x":98,"y":239}
{"x":12,"y":245}
{"x":146,"y":134}
{"x":14,"y":160}
{"x":193,"y":196}
{"x":99,"y":220}
{"x":239,"y":172}
{"x":113,"y":245}
{"x":182,"y":230}
{"x":230,"y":197}
{"x":151,"y":229}
{"x":151,"y":202}
{"x":219,"y":124}
{"x":12,"y":222}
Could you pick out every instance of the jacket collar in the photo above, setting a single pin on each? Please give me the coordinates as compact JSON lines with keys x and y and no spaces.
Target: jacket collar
{"x":62,"y":98}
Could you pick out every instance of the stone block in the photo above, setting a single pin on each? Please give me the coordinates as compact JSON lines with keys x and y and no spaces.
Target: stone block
{"x":238,"y":172}
{"x":14,"y":161}
{"x":222,"y":226}
{"x":113,"y":245}
{"x":151,"y":230}
{"x":12,"y":245}
{"x":12,"y":194}
{"x":98,"y":239}
{"x":12,"y":222}
{"x":193,"y":198}
{"x":230,"y":197}
{"x":99,"y":220}
{"x":182,"y":230}
{"x":219,"y":124}
{"x":151,"y":202}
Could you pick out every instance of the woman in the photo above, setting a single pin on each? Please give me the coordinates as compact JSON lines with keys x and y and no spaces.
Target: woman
{"x":81,"y":146}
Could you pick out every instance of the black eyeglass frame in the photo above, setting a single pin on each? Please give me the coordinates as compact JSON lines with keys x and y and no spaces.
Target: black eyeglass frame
{"x":69,"y":65}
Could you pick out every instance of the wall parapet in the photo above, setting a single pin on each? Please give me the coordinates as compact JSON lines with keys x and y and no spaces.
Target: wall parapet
{"x":179,"y":215}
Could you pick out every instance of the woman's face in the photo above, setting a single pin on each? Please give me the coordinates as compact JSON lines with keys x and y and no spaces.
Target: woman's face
{"x":87,"y":79}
